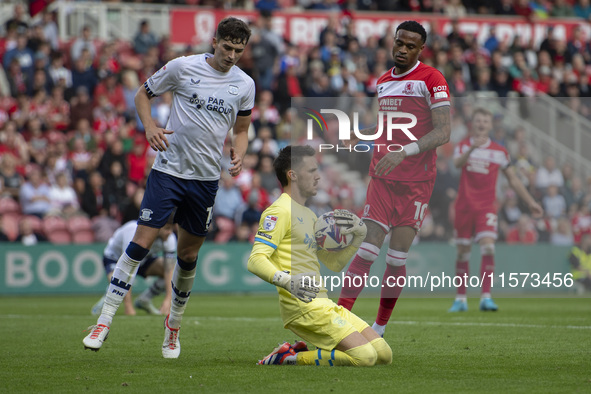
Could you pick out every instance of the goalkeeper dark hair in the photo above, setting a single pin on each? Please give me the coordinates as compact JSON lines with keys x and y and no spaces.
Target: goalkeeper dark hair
{"x":414,"y":27}
{"x":290,"y":157}
{"x":233,"y":30}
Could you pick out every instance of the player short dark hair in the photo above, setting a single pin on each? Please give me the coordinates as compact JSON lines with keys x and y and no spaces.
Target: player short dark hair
{"x":289,"y":157}
{"x":233,"y":30}
{"x":415,"y":27}
{"x":481,"y":111}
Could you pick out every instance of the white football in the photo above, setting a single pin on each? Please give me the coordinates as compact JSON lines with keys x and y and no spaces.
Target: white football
{"x":328,"y":234}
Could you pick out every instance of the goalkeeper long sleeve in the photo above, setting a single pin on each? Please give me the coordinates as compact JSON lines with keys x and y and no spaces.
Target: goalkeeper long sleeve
{"x":260,"y":265}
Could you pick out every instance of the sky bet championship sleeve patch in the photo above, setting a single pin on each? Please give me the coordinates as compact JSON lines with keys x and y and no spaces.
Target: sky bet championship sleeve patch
{"x":270,"y":222}
{"x":262,"y":234}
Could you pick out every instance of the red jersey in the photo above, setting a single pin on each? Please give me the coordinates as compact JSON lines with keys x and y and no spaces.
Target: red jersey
{"x":479,"y":175}
{"x":411,"y":95}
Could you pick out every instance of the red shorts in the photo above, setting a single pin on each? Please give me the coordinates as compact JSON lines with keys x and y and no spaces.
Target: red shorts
{"x":477,"y":224}
{"x":397,"y":203}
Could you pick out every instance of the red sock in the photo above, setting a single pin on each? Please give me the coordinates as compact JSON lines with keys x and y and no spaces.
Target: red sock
{"x":390,"y":293}
{"x":461,"y":270}
{"x":487,"y":267}
{"x":352,"y":288}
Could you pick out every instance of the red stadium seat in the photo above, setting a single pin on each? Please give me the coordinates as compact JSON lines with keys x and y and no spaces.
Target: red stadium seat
{"x":36,"y":223}
{"x":226,"y":229}
{"x":80,"y":228}
{"x":10,"y":225}
{"x":9,"y":206}
{"x":56,"y":230}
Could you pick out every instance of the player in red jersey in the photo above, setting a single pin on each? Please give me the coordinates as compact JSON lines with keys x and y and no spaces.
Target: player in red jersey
{"x":414,"y":119}
{"x":476,"y":210}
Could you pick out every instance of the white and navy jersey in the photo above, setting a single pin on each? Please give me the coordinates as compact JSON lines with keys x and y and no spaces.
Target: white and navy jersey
{"x":123,"y":236}
{"x":204,"y":108}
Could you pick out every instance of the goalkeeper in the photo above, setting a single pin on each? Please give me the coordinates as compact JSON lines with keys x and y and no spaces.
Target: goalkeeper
{"x":285,"y":254}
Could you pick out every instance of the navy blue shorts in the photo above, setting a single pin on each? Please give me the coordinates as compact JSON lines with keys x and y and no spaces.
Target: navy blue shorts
{"x":110,"y":265}
{"x":194,"y":201}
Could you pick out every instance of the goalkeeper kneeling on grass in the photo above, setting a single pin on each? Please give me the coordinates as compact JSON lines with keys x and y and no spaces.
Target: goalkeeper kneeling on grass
{"x":285,"y":254}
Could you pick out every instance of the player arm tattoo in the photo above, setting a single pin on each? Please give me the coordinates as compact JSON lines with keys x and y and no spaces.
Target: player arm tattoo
{"x":441,"y":119}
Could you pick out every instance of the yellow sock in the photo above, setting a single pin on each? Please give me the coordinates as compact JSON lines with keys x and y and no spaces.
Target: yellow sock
{"x":360,"y":356}
{"x":384,"y":351}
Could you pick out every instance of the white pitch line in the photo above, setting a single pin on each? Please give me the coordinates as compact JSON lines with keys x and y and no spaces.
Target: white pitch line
{"x":198,"y":319}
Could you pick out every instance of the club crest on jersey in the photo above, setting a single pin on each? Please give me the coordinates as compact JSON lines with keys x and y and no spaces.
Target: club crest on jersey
{"x":269,"y":222}
{"x":408,"y":88}
{"x":146,"y":214}
{"x":233,"y":90}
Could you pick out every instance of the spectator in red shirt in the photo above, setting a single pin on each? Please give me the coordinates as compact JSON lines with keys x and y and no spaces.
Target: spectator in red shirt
{"x":523,"y":233}
{"x":113,"y":90}
{"x":136,"y":160}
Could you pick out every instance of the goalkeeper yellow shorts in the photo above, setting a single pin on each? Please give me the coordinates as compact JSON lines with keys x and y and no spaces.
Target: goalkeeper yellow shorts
{"x":325,"y":324}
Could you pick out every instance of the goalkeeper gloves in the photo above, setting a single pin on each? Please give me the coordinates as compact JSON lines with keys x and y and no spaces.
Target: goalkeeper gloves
{"x":350,"y":223}
{"x":300,"y":286}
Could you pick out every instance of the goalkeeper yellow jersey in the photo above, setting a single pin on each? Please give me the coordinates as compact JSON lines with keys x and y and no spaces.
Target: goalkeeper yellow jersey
{"x":286,"y":237}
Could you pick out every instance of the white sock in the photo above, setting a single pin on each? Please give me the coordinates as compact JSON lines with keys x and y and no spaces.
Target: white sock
{"x":156,"y":289}
{"x":485,"y":295}
{"x":121,"y":282}
{"x":182,"y":283}
{"x":461,"y":298}
{"x":379,"y":329}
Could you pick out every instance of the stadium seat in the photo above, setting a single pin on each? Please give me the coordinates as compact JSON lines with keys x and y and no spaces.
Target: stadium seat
{"x":226,"y":229}
{"x":56,"y":230}
{"x":9,"y":206}
{"x":36,"y":223}
{"x":80,"y":228}
{"x":10,"y":225}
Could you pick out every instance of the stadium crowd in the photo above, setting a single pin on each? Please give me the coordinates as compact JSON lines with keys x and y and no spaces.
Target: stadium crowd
{"x":72,"y":147}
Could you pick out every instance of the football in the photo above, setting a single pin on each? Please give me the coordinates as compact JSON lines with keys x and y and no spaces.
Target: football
{"x":328,"y":234}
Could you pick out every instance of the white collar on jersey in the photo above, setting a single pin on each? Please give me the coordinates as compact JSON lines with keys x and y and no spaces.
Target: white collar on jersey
{"x":486,"y":145}
{"x":406,"y":73}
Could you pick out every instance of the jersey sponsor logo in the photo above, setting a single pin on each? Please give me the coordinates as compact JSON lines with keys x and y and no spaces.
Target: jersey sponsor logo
{"x":408,"y":88}
{"x":217,"y":105}
{"x":233,"y":90}
{"x":440,"y":95}
{"x":439,"y":88}
{"x":262,"y":234}
{"x":478,"y":166}
{"x":146,"y":214}
{"x":197,"y":100}
{"x":310,"y":242}
{"x":269,"y":222}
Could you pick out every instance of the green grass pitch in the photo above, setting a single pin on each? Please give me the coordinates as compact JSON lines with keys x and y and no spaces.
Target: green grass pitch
{"x":530,"y":345}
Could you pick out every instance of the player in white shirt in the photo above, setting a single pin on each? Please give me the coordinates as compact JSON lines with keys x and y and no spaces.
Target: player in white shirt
{"x":159,"y":262}
{"x":210,"y":96}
